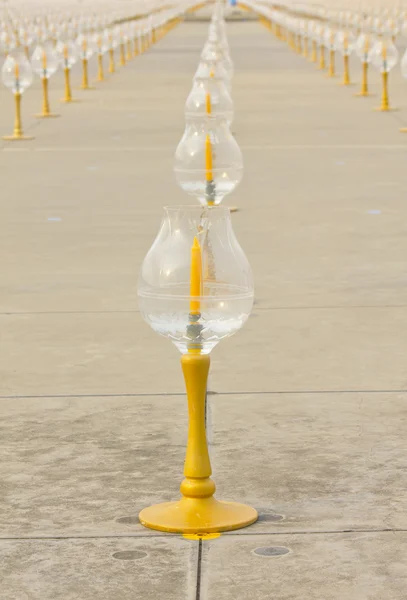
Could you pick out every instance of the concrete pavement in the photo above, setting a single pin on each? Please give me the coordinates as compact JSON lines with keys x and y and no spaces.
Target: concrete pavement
{"x":308,"y":412}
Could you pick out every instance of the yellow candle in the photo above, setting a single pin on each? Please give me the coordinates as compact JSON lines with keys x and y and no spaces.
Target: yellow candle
{"x":208,"y":159}
{"x":196,"y":278}
{"x":16,"y":71}
{"x":44,"y":61}
{"x":208,"y":104}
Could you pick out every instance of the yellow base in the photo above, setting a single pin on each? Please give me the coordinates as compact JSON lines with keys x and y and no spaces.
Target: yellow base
{"x":198,"y":515}
{"x":403,"y":130}
{"x":46,"y":116}
{"x":16,"y":138}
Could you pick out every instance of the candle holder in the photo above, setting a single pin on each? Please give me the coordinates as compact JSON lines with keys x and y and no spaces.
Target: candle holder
{"x":384,"y":56}
{"x":113,"y":37}
{"x":67,"y":52}
{"x":44,"y":62}
{"x":208,"y":161}
{"x":362,"y":49}
{"x":196,"y":289}
{"x":329,"y":39}
{"x":344,"y":43}
{"x":86,"y":50}
{"x":17,"y":75}
{"x":209,"y":95}
{"x":123,"y":42}
{"x":101,"y":42}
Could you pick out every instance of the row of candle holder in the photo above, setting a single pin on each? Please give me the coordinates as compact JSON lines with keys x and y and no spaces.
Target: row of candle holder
{"x":195,"y":286}
{"x":18,"y":70}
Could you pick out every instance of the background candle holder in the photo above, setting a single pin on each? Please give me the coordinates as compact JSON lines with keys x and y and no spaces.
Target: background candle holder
{"x":44,"y":62}
{"x":17,"y":75}
{"x":86,"y":49}
{"x":208,"y":160}
{"x":209,"y":95}
{"x":195,"y":288}
{"x":68,"y":56}
{"x":384,"y":57}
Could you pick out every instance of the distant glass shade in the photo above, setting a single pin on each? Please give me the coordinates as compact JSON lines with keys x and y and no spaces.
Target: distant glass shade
{"x":211,"y":95}
{"x":384,"y":55}
{"x":45,"y":60}
{"x":209,"y":184}
{"x":68,"y":53}
{"x":164,"y":287}
{"x":17,"y":73}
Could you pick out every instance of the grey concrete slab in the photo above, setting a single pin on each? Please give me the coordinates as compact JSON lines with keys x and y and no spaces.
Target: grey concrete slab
{"x":87,"y":466}
{"x":321,"y":567}
{"x":325,"y":462}
{"x":98,"y":569}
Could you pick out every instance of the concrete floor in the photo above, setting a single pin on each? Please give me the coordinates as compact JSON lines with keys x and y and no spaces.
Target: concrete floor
{"x":309,"y":411}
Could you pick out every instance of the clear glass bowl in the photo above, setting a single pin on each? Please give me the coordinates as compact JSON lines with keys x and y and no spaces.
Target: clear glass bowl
{"x":191,"y":160}
{"x":226,"y":296}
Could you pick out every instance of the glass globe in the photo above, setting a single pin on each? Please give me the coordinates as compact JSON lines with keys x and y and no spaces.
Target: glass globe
{"x":345,"y":42}
{"x":384,"y":55}
{"x":68,"y":53}
{"x":362,"y":47}
{"x":195,"y":285}
{"x":17,"y":74}
{"x":208,"y":161}
{"x":209,"y":96}
{"x":86,"y":46}
{"x":212,"y":52}
{"x":205,"y":68}
{"x":101,"y":42}
{"x":45,"y":60}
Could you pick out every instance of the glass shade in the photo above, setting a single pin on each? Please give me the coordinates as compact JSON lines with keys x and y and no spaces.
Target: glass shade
{"x":209,"y":96}
{"x":384,"y":55}
{"x":86,"y":46}
{"x":45,"y":60}
{"x":345,"y":42}
{"x":68,"y":53}
{"x":208,"y":161}
{"x":403,"y":65}
{"x":17,"y":73}
{"x":362,"y":47}
{"x":196,"y":303}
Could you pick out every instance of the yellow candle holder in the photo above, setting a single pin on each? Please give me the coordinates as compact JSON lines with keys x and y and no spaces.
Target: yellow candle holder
{"x":18,"y":133}
{"x":184,"y":319}
{"x":17,"y":75}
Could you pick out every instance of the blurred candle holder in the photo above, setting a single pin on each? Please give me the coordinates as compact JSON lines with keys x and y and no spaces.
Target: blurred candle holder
{"x":67,"y":52}
{"x":44,"y":62}
{"x":102,"y":45}
{"x":208,"y":160}
{"x":17,"y":75}
{"x":362,"y":49}
{"x":344,"y":44}
{"x":195,"y":288}
{"x":86,"y":51}
{"x":384,"y":57}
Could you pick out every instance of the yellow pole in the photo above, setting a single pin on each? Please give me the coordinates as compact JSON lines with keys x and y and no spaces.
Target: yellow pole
{"x":18,"y":129}
{"x":314,"y":51}
{"x":101,"y":76}
{"x":111,"y":60}
{"x":85,"y":82}
{"x":346,"y":77}
{"x":385,"y":106}
{"x":128,"y":55}
{"x":68,"y":92}
{"x":135,"y":46}
{"x":322,"y":56}
{"x":122,"y":55}
{"x":331,"y":71}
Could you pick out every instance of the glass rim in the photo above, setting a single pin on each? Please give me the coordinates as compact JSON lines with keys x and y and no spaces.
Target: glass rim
{"x":197,"y":207}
